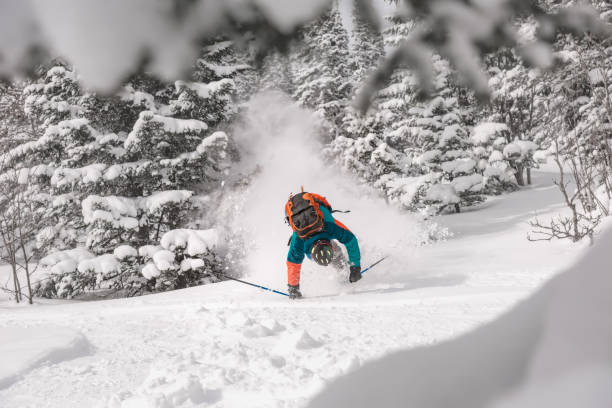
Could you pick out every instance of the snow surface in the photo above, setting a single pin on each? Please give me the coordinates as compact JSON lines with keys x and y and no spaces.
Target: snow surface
{"x":553,"y":350}
{"x":26,"y":348}
{"x":232,"y":345}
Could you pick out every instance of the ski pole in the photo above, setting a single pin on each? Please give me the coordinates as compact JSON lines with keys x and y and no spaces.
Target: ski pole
{"x":374,"y":264}
{"x":256,"y":285}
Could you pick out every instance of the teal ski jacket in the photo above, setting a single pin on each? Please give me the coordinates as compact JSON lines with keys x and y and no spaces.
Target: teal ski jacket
{"x":334,"y":229}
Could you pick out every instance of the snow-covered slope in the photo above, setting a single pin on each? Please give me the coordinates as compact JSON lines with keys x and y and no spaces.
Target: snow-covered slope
{"x":230,"y":345}
{"x":25,"y":348}
{"x":552,"y":350}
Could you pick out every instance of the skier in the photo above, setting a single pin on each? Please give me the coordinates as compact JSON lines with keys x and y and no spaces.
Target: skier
{"x":310,"y":217}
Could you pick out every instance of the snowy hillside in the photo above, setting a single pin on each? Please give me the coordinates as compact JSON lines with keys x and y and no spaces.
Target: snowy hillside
{"x":155,"y":176}
{"x":230,"y":345}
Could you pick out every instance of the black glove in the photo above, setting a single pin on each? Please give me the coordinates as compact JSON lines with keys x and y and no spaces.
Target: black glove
{"x":355,"y":274}
{"x":294,"y":292}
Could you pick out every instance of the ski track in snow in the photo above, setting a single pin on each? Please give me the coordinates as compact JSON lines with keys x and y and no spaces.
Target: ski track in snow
{"x":230,"y":345}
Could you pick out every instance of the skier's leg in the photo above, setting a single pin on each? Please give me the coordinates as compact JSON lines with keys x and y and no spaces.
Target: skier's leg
{"x":340,"y":261}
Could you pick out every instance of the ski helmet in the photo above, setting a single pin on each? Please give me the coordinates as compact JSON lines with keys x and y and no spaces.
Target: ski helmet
{"x":322,"y":252}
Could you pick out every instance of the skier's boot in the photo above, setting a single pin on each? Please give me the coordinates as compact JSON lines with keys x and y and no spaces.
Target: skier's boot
{"x":294,"y":292}
{"x":355,"y":274}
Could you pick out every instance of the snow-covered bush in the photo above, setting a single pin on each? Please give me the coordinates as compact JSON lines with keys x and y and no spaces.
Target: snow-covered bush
{"x":489,"y":140}
{"x":65,"y":280}
{"x":185,"y":258}
{"x":126,"y":175}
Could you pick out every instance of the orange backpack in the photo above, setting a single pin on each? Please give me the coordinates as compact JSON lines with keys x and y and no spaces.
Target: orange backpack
{"x":304,"y":215}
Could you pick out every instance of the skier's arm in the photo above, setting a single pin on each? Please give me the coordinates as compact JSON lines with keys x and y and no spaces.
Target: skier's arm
{"x":294,"y":260}
{"x":338,"y":231}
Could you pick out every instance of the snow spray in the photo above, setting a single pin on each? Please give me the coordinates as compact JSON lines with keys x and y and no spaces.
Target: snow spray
{"x":280,"y":150}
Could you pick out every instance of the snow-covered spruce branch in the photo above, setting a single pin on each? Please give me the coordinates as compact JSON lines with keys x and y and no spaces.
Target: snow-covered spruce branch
{"x":460,"y":31}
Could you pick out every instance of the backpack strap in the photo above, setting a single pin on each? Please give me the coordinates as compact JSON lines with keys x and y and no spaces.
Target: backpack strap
{"x":322,"y":201}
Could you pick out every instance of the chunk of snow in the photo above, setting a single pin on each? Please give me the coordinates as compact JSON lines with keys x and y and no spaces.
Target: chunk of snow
{"x":125,"y":251}
{"x":430,"y":156}
{"x":217,"y":139}
{"x":193,"y":242}
{"x":150,"y":271}
{"x":442,"y":193}
{"x":168,"y":386}
{"x":527,"y":146}
{"x":188,"y":264}
{"x":256,"y":331}
{"x":120,"y":212}
{"x":459,"y":166}
{"x":164,"y":260}
{"x":473,"y":182}
{"x":541,"y":156}
{"x":512,"y":151}
{"x":70,"y":176}
{"x":100,"y":265}
{"x":483,"y":133}
{"x":302,"y":340}
{"x":147,"y":251}
{"x":169,"y":125}
{"x":66,"y":261}
{"x":204,"y":90}
{"x":159,"y":200}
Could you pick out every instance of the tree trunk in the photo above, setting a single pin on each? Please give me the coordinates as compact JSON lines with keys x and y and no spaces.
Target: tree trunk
{"x":575,"y":222}
{"x":27,"y":272}
{"x":16,"y":284}
{"x":529,"y":175}
{"x":520,"y":180}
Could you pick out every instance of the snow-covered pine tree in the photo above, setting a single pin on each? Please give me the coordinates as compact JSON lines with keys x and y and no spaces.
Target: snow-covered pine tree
{"x":490,"y":140}
{"x":367,"y":46}
{"x":374,"y":158}
{"x":376,"y":146}
{"x":518,"y":100}
{"x":440,"y":129}
{"x":168,"y":152}
{"x":130,"y":187}
{"x":15,"y":126}
{"x":321,"y":68}
{"x":400,"y":94}
{"x":276,"y":73}
{"x":221,"y":59}
{"x":67,"y":159}
{"x":54,"y":99}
